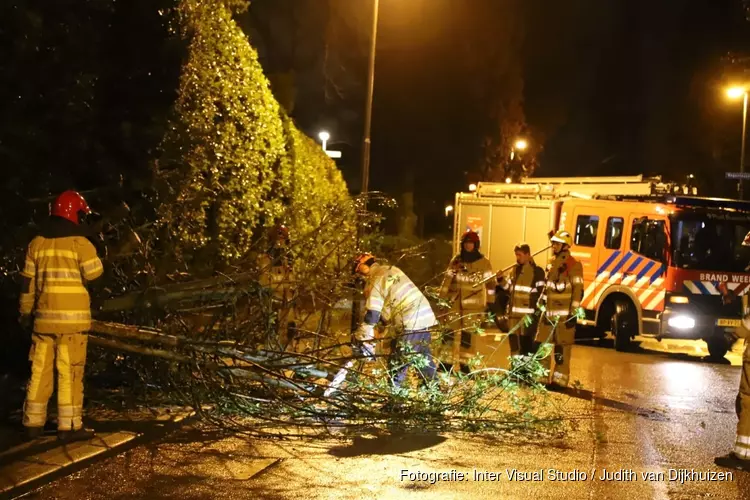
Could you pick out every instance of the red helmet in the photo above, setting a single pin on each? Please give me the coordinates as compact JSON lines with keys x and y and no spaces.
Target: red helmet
{"x":278,"y":232}
{"x":470,"y":236}
{"x":68,"y":205}
{"x":364,"y":258}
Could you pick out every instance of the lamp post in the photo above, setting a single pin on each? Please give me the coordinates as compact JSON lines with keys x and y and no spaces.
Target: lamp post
{"x":736,"y":93}
{"x":324,"y":136}
{"x":368,"y":102}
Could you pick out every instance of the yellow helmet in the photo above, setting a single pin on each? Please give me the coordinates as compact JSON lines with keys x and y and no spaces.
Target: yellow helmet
{"x":563,"y":237}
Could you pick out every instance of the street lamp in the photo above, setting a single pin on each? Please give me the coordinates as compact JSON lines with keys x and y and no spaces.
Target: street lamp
{"x":736,"y":93}
{"x":368,"y":102}
{"x":519,"y":145}
{"x":324,"y":136}
{"x":472,"y":187}
{"x":448,"y":210}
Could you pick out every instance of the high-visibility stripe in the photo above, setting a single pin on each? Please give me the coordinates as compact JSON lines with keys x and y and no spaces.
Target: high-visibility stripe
{"x":54,"y":252}
{"x":66,"y":290}
{"x":490,"y":292}
{"x":39,"y":323}
{"x":742,"y":448}
{"x":34,"y":414}
{"x":95,"y":264}
{"x":558,"y":312}
{"x":62,"y":315}
{"x":575,"y":304}
{"x":522,"y":288}
{"x":743,"y":439}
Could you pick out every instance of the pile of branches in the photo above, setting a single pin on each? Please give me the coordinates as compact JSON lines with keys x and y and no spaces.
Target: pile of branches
{"x":218,"y":343}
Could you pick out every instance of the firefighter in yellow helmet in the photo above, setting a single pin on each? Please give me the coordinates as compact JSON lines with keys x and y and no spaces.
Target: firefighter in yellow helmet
{"x":560,"y":304}
{"x":60,"y":262}
{"x":277,"y":274}
{"x":739,"y":458}
{"x":470,"y":304}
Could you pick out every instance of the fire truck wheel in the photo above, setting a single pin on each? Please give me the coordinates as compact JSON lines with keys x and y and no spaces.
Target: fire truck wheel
{"x":623,"y":325}
{"x":718,"y":345}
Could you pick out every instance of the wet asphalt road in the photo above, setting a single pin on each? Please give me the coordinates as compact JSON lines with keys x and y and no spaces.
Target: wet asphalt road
{"x":643,"y":412}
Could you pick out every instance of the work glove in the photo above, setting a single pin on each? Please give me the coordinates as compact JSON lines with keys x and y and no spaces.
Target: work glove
{"x":542,"y":307}
{"x":580,"y":313}
{"x":528,"y":320}
{"x":365,"y":350}
{"x":26,"y":321}
{"x":577,"y":313}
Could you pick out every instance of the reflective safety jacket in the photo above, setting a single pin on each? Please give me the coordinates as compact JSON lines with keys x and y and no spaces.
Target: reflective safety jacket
{"x":563,"y":294}
{"x":58,"y":265}
{"x":524,"y":288}
{"x":392,"y":296}
{"x":460,"y":278}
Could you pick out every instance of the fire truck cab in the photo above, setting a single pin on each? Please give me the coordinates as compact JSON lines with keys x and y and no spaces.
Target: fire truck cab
{"x":657,"y":261}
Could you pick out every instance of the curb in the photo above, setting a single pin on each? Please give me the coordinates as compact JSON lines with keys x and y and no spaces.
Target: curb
{"x":32,"y":470}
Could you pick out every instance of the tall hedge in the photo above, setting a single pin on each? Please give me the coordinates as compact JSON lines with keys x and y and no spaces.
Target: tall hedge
{"x":231,"y":160}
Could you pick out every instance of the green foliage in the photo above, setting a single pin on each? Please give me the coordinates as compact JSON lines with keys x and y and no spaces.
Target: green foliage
{"x":225,"y":139}
{"x":232,"y":160}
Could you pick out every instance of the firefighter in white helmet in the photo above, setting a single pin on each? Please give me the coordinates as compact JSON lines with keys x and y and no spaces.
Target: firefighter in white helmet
{"x":560,"y":304}
{"x":393,"y":298}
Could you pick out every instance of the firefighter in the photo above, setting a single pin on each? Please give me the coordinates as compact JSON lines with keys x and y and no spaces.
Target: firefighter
{"x":277,"y":274}
{"x":55,"y":304}
{"x":392,"y":297}
{"x":524,"y":287}
{"x":469,"y":304}
{"x":560,"y":304}
{"x":740,"y":457}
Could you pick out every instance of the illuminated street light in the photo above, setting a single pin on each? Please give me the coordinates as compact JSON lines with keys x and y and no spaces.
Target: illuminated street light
{"x":736,"y":93}
{"x":324,"y":136}
{"x":448,"y":210}
{"x":508,"y":180}
{"x":520,"y":145}
{"x":472,"y":187}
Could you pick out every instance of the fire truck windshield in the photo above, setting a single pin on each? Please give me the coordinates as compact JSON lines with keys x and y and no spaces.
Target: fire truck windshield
{"x":711,"y":241}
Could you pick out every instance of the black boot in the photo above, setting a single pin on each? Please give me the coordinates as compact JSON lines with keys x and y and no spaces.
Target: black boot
{"x":33,"y":433}
{"x":732,"y":461}
{"x":77,"y":435}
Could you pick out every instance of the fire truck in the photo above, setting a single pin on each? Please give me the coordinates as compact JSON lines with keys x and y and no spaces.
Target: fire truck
{"x":658,"y":260}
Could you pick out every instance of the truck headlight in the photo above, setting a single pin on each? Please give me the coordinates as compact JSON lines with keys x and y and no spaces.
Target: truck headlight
{"x":678,"y":299}
{"x":681,"y":322}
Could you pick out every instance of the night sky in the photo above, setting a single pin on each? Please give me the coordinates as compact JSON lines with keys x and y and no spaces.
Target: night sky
{"x":616,"y":87}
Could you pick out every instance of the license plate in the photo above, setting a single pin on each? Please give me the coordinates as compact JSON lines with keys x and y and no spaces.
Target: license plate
{"x":728,"y":322}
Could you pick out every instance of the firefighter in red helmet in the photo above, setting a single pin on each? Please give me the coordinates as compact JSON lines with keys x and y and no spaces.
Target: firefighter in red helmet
{"x":469,"y":304}
{"x":55,"y":303}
